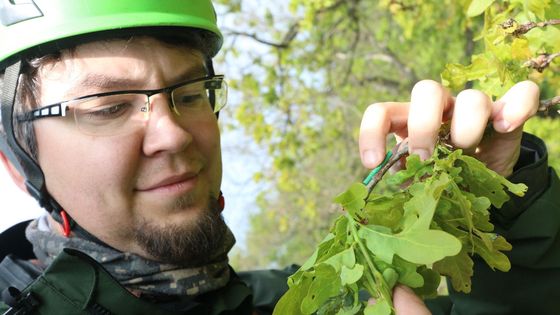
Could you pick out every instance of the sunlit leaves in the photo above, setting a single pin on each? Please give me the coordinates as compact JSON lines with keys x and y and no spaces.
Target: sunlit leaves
{"x":477,"y":7}
{"x":301,"y":105}
{"x":443,"y":221}
{"x":507,"y":51}
{"x":353,"y":199}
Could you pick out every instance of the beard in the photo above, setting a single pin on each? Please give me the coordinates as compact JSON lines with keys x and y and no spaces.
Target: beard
{"x":198,"y":242}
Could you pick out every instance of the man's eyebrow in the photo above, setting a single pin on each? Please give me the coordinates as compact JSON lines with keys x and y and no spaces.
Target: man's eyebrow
{"x":105,"y":82}
{"x":190,"y":74}
{"x":99,"y":80}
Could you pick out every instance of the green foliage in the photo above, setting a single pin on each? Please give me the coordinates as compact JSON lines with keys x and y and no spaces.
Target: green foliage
{"x":302,"y":104}
{"x":507,"y":51}
{"x":445,"y":222}
{"x":308,"y":69}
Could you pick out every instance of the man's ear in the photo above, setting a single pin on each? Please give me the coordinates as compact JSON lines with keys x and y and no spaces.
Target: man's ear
{"x":18,"y":179}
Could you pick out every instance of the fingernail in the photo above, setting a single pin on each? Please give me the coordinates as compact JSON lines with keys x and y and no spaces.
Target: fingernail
{"x":502,"y":125}
{"x":370,"y":157}
{"x":423,"y":153}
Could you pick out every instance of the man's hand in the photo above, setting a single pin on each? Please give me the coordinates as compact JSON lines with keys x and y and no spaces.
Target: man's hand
{"x":469,"y":114}
{"x":406,"y":302}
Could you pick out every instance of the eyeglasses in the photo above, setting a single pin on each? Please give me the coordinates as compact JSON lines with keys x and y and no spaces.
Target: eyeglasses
{"x":119,"y":112}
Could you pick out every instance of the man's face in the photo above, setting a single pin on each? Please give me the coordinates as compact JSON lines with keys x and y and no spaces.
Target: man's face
{"x":145,"y":190}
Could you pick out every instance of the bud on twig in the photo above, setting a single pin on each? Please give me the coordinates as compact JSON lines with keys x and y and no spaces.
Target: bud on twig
{"x":547,"y":104}
{"x":521,"y":29}
{"x":541,"y":61}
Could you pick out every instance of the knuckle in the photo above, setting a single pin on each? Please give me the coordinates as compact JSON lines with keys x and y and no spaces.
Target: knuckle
{"x":473,"y":100}
{"x":426,"y":85}
{"x":472,"y":94}
{"x":531,"y":86}
{"x":378,"y":110}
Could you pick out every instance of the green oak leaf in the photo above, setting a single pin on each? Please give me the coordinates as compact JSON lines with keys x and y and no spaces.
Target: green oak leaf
{"x":431,"y":283}
{"x":344,"y":258}
{"x":408,"y":274}
{"x":324,"y":284}
{"x":290,"y":302}
{"x":492,"y":255}
{"x":381,"y":307}
{"x":322,"y":248}
{"x":419,"y":246}
{"x":477,"y":7}
{"x":455,"y":75}
{"x":415,"y":168}
{"x":459,"y":269}
{"x":385,"y":210}
{"x":349,"y":310}
{"x":484,"y":182}
{"x":351,"y":275}
{"x":391,"y":276}
{"x":353,"y":200}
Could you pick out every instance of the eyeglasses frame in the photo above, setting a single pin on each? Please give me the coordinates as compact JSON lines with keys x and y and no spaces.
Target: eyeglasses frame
{"x":59,"y":109}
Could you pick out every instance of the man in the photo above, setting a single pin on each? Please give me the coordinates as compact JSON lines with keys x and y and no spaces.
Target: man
{"x":110,"y":122}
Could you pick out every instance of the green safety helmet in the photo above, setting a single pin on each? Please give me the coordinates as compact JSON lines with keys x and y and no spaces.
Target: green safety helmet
{"x":33,"y":28}
{"x":27,"y":27}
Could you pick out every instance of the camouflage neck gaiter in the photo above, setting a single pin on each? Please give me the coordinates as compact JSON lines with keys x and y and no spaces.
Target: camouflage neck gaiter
{"x":134,"y":272}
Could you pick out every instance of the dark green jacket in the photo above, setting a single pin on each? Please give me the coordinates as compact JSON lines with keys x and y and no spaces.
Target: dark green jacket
{"x":531,"y":224}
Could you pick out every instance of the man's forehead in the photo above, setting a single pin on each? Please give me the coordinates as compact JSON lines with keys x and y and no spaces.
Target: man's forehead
{"x":110,"y":80}
{"x":136,"y":67}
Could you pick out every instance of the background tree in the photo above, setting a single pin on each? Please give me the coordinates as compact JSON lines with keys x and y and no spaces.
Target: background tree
{"x":304,"y":72}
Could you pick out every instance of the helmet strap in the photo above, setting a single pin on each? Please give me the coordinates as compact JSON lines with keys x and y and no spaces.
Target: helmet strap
{"x":35,"y":179}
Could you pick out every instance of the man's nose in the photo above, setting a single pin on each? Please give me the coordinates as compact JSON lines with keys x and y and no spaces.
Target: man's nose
{"x":165,"y":130}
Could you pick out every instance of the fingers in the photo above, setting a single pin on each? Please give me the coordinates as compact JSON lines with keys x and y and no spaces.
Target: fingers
{"x":408,"y":303}
{"x":516,"y":106}
{"x":429,"y":100}
{"x":420,"y":120}
{"x":431,"y":104}
{"x":378,"y":121}
{"x":470,"y":117}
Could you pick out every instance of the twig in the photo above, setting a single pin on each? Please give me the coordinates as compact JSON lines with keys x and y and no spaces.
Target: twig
{"x":526,"y":27}
{"x":547,"y":104}
{"x":285,"y":43}
{"x":398,"y":151}
{"x":541,"y":61}
{"x":290,"y":34}
{"x":402,"y":6}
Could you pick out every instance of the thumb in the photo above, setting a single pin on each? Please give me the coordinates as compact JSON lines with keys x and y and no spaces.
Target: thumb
{"x":408,"y":303}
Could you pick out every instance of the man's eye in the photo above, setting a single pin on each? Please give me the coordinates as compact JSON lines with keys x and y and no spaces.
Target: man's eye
{"x":107,"y":111}
{"x":189,"y":100}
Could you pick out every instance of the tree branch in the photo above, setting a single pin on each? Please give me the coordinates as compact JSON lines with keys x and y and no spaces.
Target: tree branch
{"x":285,"y":43}
{"x":541,"y":61}
{"x":547,"y":104}
{"x":385,"y":82}
{"x":521,"y":29}
{"x":288,"y":37}
{"x":399,"y":151}
{"x":353,"y":47}
{"x":331,"y":7}
{"x":401,"y":5}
